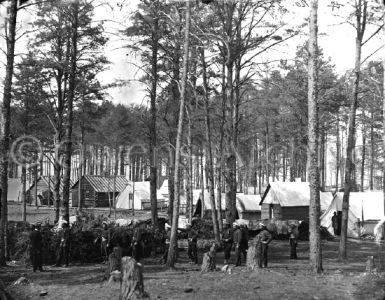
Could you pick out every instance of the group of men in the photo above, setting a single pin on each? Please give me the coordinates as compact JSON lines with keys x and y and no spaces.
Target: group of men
{"x":237,"y":236}
{"x":233,"y":237}
{"x":36,"y":249}
{"x":136,"y":245}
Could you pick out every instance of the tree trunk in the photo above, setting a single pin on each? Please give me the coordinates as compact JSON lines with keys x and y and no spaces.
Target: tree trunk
{"x":35,"y":182}
{"x":383,"y":126}
{"x":209,"y":152}
{"x":70,"y":100}
{"x":284,"y":165}
{"x":153,"y":149}
{"x":5,"y":121}
{"x":361,"y":6}
{"x":253,"y":254}
{"x":260,"y":174}
{"x":230,"y":160}
{"x":267,"y":153}
{"x":122,"y":162}
{"x":363,"y":157}
{"x":209,"y":260}
{"x":189,"y":172}
{"x":173,"y":239}
{"x":371,"y":170}
{"x":24,"y":192}
{"x":220,"y":150}
{"x":171,"y":186}
{"x":338,"y":150}
{"x":56,"y":175}
{"x":202,"y":186}
{"x":131,"y":285}
{"x":81,"y":171}
{"x":116,"y":168}
{"x":292,"y":160}
{"x":114,"y":261}
{"x":314,"y":207}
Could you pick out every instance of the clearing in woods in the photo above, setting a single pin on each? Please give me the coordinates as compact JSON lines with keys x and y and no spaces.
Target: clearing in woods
{"x":283,"y":279}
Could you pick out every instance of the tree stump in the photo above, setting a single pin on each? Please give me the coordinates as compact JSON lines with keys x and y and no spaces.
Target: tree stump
{"x":209,"y":260}
{"x":3,"y":293}
{"x":114,"y":262}
{"x":131,"y":284}
{"x":370,"y":264}
{"x":253,"y":254}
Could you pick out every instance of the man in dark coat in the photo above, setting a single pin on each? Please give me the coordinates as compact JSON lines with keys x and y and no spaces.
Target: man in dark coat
{"x":64,"y":245}
{"x":265,"y":237}
{"x":245,"y":240}
{"x":293,"y":240}
{"x":227,"y":240}
{"x":192,"y":238}
{"x":166,"y":242}
{"x":335,"y":223}
{"x":36,"y":248}
{"x":105,"y":241}
{"x":237,"y":239}
{"x":137,"y":243}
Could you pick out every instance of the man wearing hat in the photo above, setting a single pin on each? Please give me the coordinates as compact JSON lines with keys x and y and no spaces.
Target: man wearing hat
{"x":227,"y":240}
{"x":245,"y":240}
{"x":293,"y":237}
{"x":167,"y":241}
{"x":192,"y":238}
{"x":237,"y":239}
{"x":36,"y":248}
{"x":137,"y":242}
{"x":64,"y":246}
{"x":105,"y":240}
{"x":265,"y":238}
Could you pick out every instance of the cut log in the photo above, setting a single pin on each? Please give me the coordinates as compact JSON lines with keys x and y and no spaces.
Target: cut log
{"x":114,"y":262}
{"x":131,"y":284}
{"x":253,"y":254}
{"x":209,"y":260}
{"x":370,"y":264}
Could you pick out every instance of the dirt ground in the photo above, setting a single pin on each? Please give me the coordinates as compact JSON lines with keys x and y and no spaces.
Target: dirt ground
{"x":283,"y":279}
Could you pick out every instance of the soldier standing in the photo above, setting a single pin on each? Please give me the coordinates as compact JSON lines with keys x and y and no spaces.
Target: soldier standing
{"x":245,"y":240}
{"x":227,"y":239}
{"x":293,"y":240}
{"x":167,"y":242}
{"x":237,"y":239}
{"x":192,"y":237}
{"x":64,"y":245}
{"x":36,"y":248}
{"x":105,"y":240}
{"x":265,"y":238}
{"x":335,"y":223}
{"x":137,"y":242}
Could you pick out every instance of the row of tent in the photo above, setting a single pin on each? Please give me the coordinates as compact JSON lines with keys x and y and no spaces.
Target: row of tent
{"x":137,"y":195}
{"x":281,"y":200}
{"x":290,"y":201}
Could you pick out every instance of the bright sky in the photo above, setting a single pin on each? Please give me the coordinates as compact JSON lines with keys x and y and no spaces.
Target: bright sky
{"x":336,"y":39}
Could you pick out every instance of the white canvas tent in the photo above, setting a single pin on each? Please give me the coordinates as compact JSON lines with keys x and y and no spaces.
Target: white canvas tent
{"x":248,"y":203}
{"x":197,"y":201}
{"x":248,"y":206}
{"x":289,"y":194}
{"x":135,"y":194}
{"x":162,"y":192}
{"x":362,"y":206}
{"x":14,"y":189}
{"x":244,"y":203}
